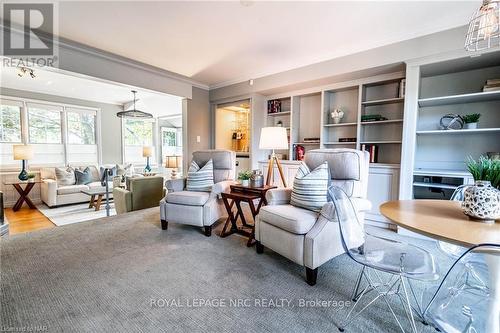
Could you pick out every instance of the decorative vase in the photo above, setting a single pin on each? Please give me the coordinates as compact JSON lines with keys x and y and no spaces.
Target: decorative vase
{"x":482,"y":202}
{"x":470,"y":125}
{"x":336,"y":120}
{"x":245,"y":182}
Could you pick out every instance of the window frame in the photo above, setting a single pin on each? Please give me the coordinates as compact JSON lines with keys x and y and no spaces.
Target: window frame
{"x":64,"y":127}
{"x":154,"y":144}
{"x":17,"y":104}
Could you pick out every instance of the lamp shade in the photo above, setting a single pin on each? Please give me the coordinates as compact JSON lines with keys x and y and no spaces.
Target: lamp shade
{"x":173,"y":161}
{"x":23,"y":152}
{"x":147,"y":151}
{"x":273,"y":138}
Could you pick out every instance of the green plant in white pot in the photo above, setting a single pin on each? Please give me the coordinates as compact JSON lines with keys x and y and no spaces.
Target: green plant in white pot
{"x":244,"y":177}
{"x":471,"y":120}
{"x":482,"y":200}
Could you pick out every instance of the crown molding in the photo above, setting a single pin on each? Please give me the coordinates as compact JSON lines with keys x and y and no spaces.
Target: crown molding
{"x":89,"y":50}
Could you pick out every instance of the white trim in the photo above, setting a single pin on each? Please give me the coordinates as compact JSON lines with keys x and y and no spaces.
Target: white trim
{"x":41,"y":101}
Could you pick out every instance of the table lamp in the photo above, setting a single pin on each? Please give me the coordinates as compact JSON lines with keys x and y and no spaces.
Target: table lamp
{"x":147,"y":152}
{"x":173,"y":162}
{"x":273,"y":138}
{"x":23,"y":153}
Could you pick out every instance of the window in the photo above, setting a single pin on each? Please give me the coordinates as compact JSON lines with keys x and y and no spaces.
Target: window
{"x":44,"y":124}
{"x":10,"y":122}
{"x":81,"y":127}
{"x":137,"y":133}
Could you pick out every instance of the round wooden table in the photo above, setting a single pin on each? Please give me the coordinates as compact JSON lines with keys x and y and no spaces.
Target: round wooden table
{"x":444,"y":220}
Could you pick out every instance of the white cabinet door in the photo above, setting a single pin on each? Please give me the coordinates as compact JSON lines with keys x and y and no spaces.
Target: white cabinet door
{"x":383,"y":185}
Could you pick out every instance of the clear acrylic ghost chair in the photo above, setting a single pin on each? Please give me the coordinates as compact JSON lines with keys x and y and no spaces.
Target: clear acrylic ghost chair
{"x":452,"y":250}
{"x":379,"y":255}
{"x":453,"y":309}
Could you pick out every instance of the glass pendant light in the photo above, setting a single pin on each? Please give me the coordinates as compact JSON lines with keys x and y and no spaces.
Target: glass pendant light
{"x":484,"y":27}
{"x":134,"y":113}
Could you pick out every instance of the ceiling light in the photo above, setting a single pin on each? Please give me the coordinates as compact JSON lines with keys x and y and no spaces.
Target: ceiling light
{"x":484,"y":27}
{"x":134,"y":113}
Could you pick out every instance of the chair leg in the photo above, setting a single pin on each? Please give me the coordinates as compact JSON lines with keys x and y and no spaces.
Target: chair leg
{"x":208,"y":230}
{"x":259,"y":248}
{"x":164,"y":225}
{"x":311,"y":276}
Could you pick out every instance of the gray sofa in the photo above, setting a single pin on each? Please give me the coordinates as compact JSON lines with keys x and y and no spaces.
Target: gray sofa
{"x":306,"y":237}
{"x":201,"y":209}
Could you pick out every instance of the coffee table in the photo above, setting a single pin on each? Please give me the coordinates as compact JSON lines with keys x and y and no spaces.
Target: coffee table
{"x":238,"y":195}
{"x":23,"y":193}
{"x":96,"y":195}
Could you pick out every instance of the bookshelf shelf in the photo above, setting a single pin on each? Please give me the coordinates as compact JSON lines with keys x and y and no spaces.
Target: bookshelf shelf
{"x":458,"y":132}
{"x":340,"y":125}
{"x":340,"y":143}
{"x":437,"y":185}
{"x":381,"y":122}
{"x":278,"y":114}
{"x":382,"y":142}
{"x":383,"y":101}
{"x":306,"y":143}
{"x":460,"y":99}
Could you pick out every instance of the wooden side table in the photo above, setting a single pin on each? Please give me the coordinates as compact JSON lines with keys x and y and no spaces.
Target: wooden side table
{"x":23,"y":193}
{"x":238,"y":195}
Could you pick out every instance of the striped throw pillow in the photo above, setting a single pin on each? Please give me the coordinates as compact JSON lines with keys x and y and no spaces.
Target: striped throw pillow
{"x":310,"y":187}
{"x":200,"y":179}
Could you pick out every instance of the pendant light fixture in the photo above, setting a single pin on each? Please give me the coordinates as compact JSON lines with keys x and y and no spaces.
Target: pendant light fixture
{"x":134,"y":113}
{"x":484,"y":27}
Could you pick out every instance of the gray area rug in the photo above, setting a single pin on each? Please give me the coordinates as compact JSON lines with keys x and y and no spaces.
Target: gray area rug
{"x":125,"y":274}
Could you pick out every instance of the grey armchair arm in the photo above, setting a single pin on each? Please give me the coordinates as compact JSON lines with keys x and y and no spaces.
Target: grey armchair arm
{"x":175,"y":185}
{"x":278,"y":196}
{"x":221,"y":187}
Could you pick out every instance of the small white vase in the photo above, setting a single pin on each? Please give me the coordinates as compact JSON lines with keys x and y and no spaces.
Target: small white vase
{"x":470,"y":125}
{"x":245,"y":182}
{"x":482,"y":202}
{"x":336,"y":120}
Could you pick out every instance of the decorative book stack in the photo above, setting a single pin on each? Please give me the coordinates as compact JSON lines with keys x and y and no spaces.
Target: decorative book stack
{"x":373,"y":150}
{"x":274,"y":106}
{"x":372,"y":117}
{"x":492,"y":85}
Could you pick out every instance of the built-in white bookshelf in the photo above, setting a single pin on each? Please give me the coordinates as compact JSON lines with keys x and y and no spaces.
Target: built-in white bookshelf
{"x":453,"y":87}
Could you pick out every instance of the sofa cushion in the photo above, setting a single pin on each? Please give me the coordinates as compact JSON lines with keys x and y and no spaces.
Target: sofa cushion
{"x":290,"y":218}
{"x":310,"y":187}
{"x":65,"y":176}
{"x":188,"y":198}
{"x":124,"y":169}
{"x":83,"y":177}
{"x":70,"y":189}
{"x":200,"y":178}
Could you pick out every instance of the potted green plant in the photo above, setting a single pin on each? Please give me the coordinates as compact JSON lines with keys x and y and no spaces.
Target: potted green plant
{"x":31,"y":177}
{"x":244,"y":177}
{"x":471,"y":120}
{"x":482,"y":200}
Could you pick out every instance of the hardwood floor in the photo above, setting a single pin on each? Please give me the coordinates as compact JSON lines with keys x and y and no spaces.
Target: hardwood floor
{"x":26,"y":220}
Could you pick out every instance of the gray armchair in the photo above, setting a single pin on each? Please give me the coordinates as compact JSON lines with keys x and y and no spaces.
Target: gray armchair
{"x":200,"y":209}
{"x":306,"y":237}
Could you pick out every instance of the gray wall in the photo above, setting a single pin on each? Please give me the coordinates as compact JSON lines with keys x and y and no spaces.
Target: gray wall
{"x":110,"y":124}
{"x":341,"y":69}
{"x":197,"y":121}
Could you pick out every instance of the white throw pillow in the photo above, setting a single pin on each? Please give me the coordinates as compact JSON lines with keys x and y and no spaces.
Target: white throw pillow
{"x":200,"y":179}
{"x":65,"y":176}
{"x":310,"y":187}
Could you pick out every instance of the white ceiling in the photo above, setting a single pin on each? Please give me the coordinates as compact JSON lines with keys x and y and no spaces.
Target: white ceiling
{"x":65,"y":85}
{"x":220,"y":42}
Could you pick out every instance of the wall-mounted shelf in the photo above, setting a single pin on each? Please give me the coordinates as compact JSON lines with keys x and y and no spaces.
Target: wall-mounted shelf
{"x":340,"y":125}
{"x":460,"y":99}
{"x":277,"y":114}
{"x":458,"y":132}
{"x":381,"y":122}
{"x":306,"y":143}
{"x":384,"y":101}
